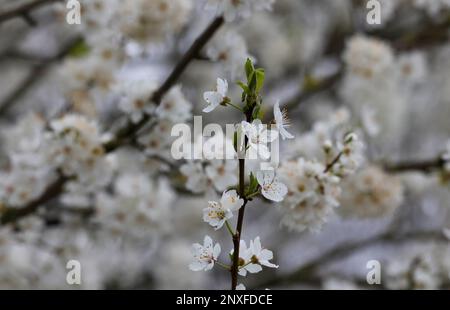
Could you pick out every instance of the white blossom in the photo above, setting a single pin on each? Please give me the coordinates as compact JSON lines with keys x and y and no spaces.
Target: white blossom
{"x":197,"y":180}
{"x":281,"y":121}
{"x":174,"y":106}
{"x":352,"y":155}
{"x":138,"y":206}
{"x":254,"y":257}
{"x":258,"y":138}
{"x":232,"y":9}
{"x":217,"y":97}
{"x":271,"y":187}
{"x":153,"y":21}
{"x":76,"y":147}
{"x":371,"y":193}
{"x":136,"y":98}
{"x":204,"y":255}
{"x":312,"y":195}
{"x":218,"y":212}
{"x":230,"y":49}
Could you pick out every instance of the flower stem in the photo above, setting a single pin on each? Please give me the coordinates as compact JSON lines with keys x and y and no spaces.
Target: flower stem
{"x":225,"y":266}
{"x":229,"y":228}
{"x":235,"y":106}
{"x":333,"y":162}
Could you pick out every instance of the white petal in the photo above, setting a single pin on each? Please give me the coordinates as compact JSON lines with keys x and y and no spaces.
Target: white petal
{"x":265,"y":177}
{"x":256,"y":246}
{"x":268,"y":264}
{"x":209,"y":108}
{"x":277,"y":113}
{"x":284,"y":134}
{"x":216,"y":251}
{"x":196,"y":266}
{"x":265,"y":255}
{"x":240,"y":287}
{"x":269,"y":136}
{"x":207,"y":242}
{"x":222,"y":87}
{"x":209,"y":266}
{"x":242,"y":272}
{"x":263,"y":151}
{"x":253,"y":268}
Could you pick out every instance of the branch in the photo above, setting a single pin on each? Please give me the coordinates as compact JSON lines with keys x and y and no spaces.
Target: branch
{"x":24,"y":10}
{"x":12,"y":214}
{"x":424,"y":166}
{"x":130,"y":129}
{"x":36,"y":71}
{"x":309,"y":271}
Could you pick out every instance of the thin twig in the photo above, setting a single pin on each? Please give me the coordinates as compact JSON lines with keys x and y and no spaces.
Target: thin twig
{"x":130,"y":129}
{"x":32,"y":78}
{"x":424,"y":166}
{"x":12,"y":214}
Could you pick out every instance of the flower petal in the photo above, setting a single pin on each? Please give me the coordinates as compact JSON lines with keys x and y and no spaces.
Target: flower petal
{"x":222,"y":87}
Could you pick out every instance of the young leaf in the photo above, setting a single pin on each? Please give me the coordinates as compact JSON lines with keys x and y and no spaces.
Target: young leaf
{"x":249,"y":68}
{"x":244,"y":87}
{"x":260,"y":76}
{"x":252,"y":82}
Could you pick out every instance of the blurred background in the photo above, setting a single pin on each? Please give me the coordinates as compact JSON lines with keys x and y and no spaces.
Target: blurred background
{"x":321,"y":58}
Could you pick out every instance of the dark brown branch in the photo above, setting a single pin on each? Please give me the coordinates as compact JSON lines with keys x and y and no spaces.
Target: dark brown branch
{"x":424,"y":166}
{"x":12,"y":214}
{"x":24,"y":10}
{"x":130,"y":128}
{"x":238,"y":233}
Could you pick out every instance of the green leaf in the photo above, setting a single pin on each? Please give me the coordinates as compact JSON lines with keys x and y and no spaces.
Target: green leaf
{"x":253,"y":186}
{"x":260,"y":77}
{"x":244,"y":87}
{"x":249,"y":68}
{"x":252,"y":82}
{"x":80,"y":49}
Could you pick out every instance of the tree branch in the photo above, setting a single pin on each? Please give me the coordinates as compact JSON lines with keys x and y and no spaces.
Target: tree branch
{"x":24,"y":10}
{"x":12,"y":214}
{"x":309,"y":271}
{"x":130,"y":129}
{"x":424,"y":166}
{"x":37,"y":71}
